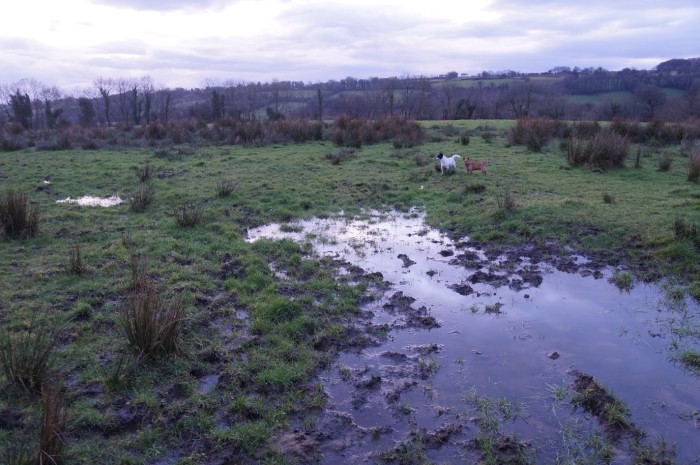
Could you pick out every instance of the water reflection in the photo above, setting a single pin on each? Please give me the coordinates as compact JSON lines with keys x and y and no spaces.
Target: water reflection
{"x":624,"y":340}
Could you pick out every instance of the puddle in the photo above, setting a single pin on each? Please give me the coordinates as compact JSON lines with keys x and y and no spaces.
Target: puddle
{"x":91,"y":201}
{"x":507,"y":327}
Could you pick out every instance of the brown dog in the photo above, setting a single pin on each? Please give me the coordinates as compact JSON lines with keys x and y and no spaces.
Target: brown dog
{"x":475,"y":165}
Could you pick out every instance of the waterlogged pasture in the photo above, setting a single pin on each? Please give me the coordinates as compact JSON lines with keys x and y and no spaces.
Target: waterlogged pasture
{"x":287,"y":355}
{"x":518,"y":337}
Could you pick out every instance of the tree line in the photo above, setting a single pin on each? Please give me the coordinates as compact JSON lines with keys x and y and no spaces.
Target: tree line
{"x":671,"y":92}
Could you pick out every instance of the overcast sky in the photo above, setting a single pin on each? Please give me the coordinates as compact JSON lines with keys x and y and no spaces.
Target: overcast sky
{"x":181,"y":43}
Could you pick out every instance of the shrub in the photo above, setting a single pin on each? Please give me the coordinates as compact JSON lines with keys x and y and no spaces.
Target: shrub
{"x":606,"y":149}
{"x":26,"y":358}
{"x":225,"y":187}
{"x":464,"y":138}
{"x":533,"y":133}
{"x":694,"y":167}
{"x":584,"y":129}
{"x":189,"y":215}
{"x":608,"y":198}
{"x":17,"y":218}
{"x":142,"y":198}
{"x":631,"y":130}
{"x":151,"y":323}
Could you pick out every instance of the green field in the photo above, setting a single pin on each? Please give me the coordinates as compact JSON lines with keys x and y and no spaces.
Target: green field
{"x":135,"y":415}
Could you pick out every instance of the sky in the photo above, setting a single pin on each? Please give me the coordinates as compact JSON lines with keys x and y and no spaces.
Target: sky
{"x":186,"y":43}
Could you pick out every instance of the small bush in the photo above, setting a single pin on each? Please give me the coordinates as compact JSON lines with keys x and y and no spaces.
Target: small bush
{"x":26,"y":358}
{"x":53,"y":421}
{"x":225,"y":187}
{"x":608,"y":198}
{"x":151,"y":323}
{"x":606,"y":149}
{"x":142,"y":198}
{"x":694,"y":167}
{"x":75,"y":264}
{"x":533,"y":133}
{"x":189,"y":215}
{"x":665,"y":161}
{"x":18,"y":219}
{"x":464,"y":138}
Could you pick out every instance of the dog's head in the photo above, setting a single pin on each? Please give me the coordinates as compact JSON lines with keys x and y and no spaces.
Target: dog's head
{"x":439,"y":157}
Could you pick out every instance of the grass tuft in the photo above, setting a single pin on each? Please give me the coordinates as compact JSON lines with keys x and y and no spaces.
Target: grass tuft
{"x":75,"y":265}
{"x":694,"y":167}
{"x":151,"y":323}
{"x":144,"y":172}
{"x":189,"y":215}
{"x":225,"y":187}
{"x":18,"y":219}
{"x":142,"y":198}
{"x":26,"y":358}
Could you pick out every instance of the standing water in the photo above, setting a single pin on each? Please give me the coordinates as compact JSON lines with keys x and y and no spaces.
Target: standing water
{"x":500,"y":338}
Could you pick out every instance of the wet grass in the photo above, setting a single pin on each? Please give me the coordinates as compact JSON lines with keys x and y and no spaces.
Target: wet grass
{"x":263,"y":317}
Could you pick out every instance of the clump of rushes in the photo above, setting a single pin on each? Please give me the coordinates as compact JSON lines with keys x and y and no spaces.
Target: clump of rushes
{"x":189,"y":215}
{"x":144,"y":172}
{"x":151,"y":323}
{"x":225,"y":187}
{"x":608,"y":198}
{"x":340,"y":155}
{"x":142,"y":198}
{"x":694,"y":167}
{"x":18,"y":219}
{"x":665,"y":162}
{"x":53,"y":420}
{"x":75,"y":264}
{"x":26,"y":358}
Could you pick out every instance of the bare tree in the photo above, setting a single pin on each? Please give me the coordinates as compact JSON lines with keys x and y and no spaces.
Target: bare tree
{"x":651,"y":97}
{"x":105,"y":86}
{"x":147,"y":91}
{"x":519,"y":97}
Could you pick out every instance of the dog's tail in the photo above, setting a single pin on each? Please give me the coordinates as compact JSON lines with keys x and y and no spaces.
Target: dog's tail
{"x":457,"y":155}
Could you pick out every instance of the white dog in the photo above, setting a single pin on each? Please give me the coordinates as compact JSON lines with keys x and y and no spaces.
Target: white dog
{"x":447,"y":163}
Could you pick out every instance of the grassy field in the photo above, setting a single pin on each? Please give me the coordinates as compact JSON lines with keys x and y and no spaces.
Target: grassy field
{"x":261,"y":340}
